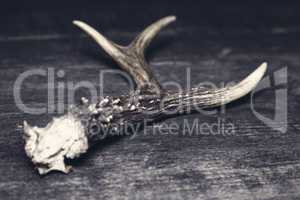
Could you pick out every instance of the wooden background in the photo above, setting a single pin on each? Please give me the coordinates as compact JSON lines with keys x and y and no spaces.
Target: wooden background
{"x":218,"y":42}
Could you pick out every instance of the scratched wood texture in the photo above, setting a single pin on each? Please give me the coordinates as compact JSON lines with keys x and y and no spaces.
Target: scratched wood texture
{"x":217,"y":42}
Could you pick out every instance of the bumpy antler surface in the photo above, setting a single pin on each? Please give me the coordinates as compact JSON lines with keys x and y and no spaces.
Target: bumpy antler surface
{"x":72,"y":134}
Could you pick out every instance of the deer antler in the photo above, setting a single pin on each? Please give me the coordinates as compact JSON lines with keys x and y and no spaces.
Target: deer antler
{"x":70,"y":135}
{"x":131,"y":58}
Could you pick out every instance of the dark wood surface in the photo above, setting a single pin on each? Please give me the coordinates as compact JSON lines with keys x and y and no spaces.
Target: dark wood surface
{"x":219,"y":43}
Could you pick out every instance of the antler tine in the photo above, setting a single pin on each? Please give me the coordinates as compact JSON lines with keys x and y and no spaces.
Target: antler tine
{"x":143,"y":40}
{"x":131,"y":58}
{"x":217,"y":97}
{"x":110,"y":47}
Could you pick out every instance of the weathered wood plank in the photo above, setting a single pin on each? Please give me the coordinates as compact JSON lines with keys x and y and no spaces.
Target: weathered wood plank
{"x":256,"y":162}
